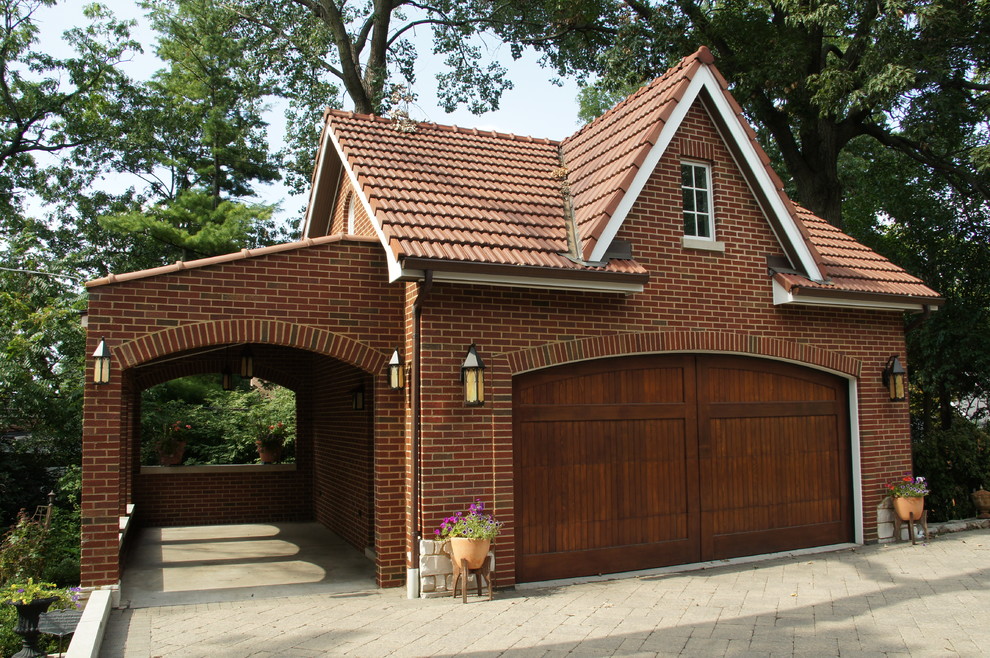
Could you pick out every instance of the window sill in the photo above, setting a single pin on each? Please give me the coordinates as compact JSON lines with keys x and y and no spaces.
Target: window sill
{"x":217,"y":468}
{"x":702,"y":244}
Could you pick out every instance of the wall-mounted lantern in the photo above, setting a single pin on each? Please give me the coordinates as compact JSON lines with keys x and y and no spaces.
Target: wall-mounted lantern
{"x":396,"y":372}
{"x":473,"y":378}
{"x":893,"y":379}
{"x":247,"y":363}
{"x":357,"y":398}
{"x":101,"y":363}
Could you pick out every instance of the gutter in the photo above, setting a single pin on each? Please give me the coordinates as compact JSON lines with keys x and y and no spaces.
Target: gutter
{"x":416,"y":533}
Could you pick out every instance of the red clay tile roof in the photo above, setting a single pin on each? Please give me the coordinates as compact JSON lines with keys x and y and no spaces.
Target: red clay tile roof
{"x":605,"y":155}
{"x":853,"y":267}
{"x":448,"y":193}
{"x":451,"y":194}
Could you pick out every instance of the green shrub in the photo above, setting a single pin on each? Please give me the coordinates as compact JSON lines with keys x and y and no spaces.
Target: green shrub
{"x":955,"y":462}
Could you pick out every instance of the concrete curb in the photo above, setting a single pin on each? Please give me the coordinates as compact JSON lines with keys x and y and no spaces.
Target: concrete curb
{"x":88,"y":637}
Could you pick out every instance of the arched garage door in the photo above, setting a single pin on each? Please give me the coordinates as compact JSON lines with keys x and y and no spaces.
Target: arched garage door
{"x":647,"y":461}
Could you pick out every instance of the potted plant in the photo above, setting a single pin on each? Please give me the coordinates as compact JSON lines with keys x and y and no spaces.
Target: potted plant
{"x":171,"y":445}
{"x":909,"y":496}
{"x":470,"y":535}
{"x":31,"y":599}
{"x":981,"y":498}
{"x":269,"y":442}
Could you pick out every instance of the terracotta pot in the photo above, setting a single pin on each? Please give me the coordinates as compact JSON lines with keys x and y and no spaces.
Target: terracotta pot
{"x":472,"y":550}
{"x":906,"y":508}
{"x":174,"y":457}
{"x":981,"y":499}
{"x":269,"y":455}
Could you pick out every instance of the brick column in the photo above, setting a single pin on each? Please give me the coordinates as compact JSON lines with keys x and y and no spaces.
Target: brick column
{"x":101,"y":485}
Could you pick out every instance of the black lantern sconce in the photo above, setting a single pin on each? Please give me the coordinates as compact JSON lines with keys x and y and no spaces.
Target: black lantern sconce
{"x":396,"y":372}
{"x":894,"y":379}
{"x":357,"y":398}
{"x":101,"y":363}
{"x":247,"y":363}
{"x":473,"y":378}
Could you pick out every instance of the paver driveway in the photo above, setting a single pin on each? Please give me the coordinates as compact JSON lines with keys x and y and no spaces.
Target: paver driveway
{"x":875,"y":600}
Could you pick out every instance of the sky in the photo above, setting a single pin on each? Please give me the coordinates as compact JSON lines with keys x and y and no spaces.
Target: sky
{"x":534,"y":107}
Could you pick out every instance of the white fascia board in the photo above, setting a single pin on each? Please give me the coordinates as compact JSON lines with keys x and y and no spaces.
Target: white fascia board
{"x":781,"y":297}
{"x":322,"y":154}
{"x":704,"y":79}
{"x":547,"y":283}
{"x":394,"y":269}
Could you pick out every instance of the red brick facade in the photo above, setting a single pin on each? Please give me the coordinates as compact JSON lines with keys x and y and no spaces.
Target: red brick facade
{"x":325,"y":320}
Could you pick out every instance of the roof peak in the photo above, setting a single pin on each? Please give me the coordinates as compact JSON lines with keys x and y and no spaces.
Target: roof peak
{"x":703,"y":55}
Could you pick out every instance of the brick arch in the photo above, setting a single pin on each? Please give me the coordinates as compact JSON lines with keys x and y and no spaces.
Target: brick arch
{"x":273,"y":332}
{"x":583,"y":349}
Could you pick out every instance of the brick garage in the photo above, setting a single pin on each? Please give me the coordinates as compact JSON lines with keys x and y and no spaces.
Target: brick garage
{"x":544,"y":255}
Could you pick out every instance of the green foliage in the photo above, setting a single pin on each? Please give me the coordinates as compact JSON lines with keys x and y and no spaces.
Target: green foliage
{"x":21,"y":551}
{"x":195,"y":225}
{"x":955,"y":461}
{"x":942,"y":236}
{"x":51,"y":104}
{"x":30,"y":550}
{"x":595,"y":99}
{"x":10,"y":642}
{"x":224,"y":424}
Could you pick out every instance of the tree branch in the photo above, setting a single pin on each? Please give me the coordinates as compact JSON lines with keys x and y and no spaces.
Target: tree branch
{"x":921,"y":154}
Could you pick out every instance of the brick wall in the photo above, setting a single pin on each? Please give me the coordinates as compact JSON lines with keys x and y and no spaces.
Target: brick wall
{"x":333,"y":300}
{"x":296,"y":300}
{"x":343,"y":495}
{"x":696,"y":301}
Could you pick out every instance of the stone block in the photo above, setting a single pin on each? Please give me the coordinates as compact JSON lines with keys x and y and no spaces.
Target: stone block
{"x":431,"y":565}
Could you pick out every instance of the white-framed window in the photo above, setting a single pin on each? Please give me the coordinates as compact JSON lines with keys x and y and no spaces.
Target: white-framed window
{"x":696,"y":192}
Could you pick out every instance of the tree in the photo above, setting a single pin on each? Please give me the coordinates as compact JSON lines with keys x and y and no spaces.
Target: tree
{"x":813,"y":75}
{"x":199,"y":140}
{"x":317,"y":49}
{"x":51,"y":105}
{"x":914,"y":217}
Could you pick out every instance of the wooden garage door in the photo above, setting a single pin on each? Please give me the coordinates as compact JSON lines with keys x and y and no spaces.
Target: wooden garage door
{"x":640,"y":462}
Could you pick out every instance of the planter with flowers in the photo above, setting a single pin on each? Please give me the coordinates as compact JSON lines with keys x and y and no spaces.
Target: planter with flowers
{"x":171,"y":445}
{"x":31,"y":599}
{"x":270,"y":440}
{"x":908,"y":494}
{"x":470,"y":535}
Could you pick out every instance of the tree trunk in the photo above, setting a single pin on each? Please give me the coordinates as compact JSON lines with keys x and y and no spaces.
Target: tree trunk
{"x":814,"y":165}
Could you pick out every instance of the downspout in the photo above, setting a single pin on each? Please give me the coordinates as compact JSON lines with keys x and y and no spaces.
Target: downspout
{"x":412,"y":575}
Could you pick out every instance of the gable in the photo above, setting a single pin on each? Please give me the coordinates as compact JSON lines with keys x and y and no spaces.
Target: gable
{"x":602,"y":206}
{"x":729,"y":271}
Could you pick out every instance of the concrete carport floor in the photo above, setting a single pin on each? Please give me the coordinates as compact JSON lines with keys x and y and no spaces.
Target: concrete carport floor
{"x":223,"y":563}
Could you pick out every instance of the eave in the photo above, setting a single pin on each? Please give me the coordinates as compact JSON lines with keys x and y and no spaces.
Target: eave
{"x":837,"y":298}
{"x":521,"y":276}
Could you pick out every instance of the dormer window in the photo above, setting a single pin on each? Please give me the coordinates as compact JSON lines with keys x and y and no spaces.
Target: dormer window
{"x":699,"y":220}
{"x":697,"y":195}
